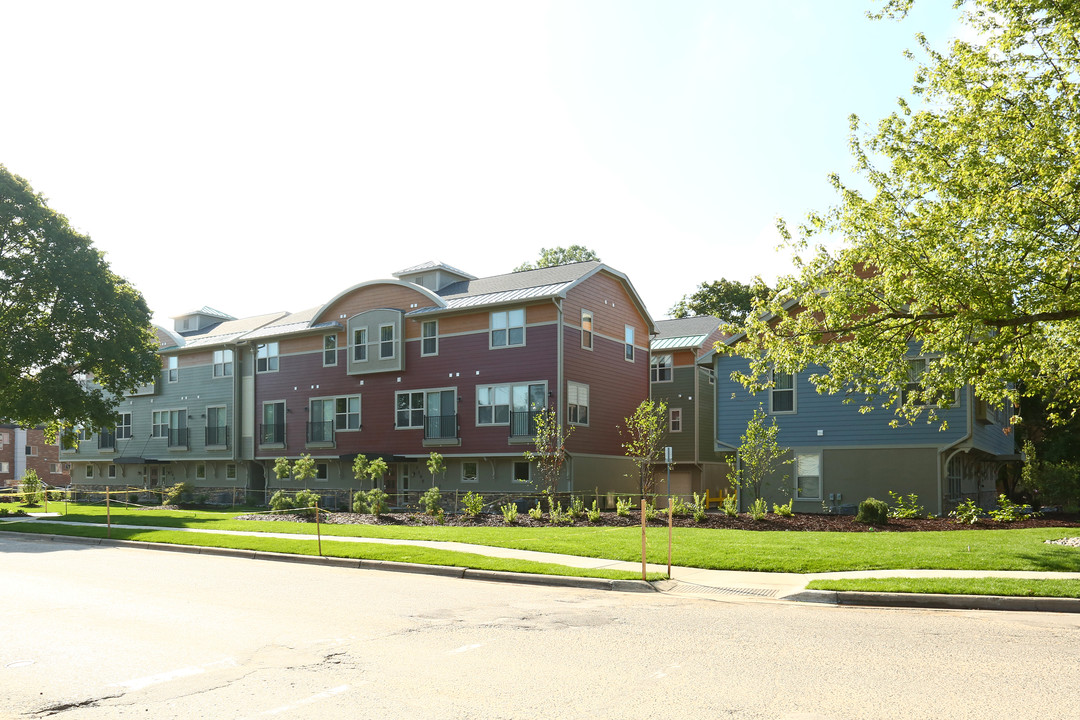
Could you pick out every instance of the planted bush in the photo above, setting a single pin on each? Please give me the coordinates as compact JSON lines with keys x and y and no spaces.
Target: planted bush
{"x":474,"y":504}
{"x":593,"y":513}
{"x":1008,"y":511}
{"x":784,"y":510}
{"x":178,"y":494}
{"x":509,"y":513}
{"x":731,"y":505}
{"x":536,"y":513}
{"x":622,"y":506}
{"x":905,"y":507}
{"x":873,"y":512}
{"x":966,"y":513}
{"x":377,"y":501}
{"x":759,"y":509}
{"x":430,"y":501}
{"x":699,"y":508}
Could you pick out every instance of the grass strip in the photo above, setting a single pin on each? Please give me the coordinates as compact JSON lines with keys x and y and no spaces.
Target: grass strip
{"x":361,"y":551}
{"x":1012,"y":587}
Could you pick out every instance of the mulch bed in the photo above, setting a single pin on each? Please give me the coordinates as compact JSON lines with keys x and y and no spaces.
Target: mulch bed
{"x":798,"y":522}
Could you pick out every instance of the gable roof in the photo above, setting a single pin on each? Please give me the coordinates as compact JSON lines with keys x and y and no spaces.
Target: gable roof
{"x":691,"y":332}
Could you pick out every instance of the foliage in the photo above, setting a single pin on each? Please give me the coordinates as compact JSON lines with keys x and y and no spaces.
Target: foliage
{"x":282,"y":468}
{"x":509,"y":513}
{"x":360,"y":503}
{"x":1050,"y":483}
{"x":577,"y":507}
{"x":593,"y":513}
{"x":784,"y":510}
{"x":643,"y":433}
{"x":550,"y":453}
{"x":965,"y":242}
{"x":1008,"y":511}
{"x":305,"y":501}
{"x":435,"y":465}
{"x":282,"y":500}
{"x":966,"y":513}
{"x":377,"y":501}
{"x":679,"y":508}
{"x":758,"y":509}
{"x":728,"y":300}
{"x":474,"y":504}
{"x":179,"y":494}
{"x":430,"y":500}
{"x":556,"y":515}
{"x":364,"y":469}
{"x":700,"y":508}
{"x":873,"y":512}
{"x":30,"y":487}
{"x":731,"y":505}
{"x":906,"y":507}
{"x":304,"y":467}
{"x":622,"y":506}
{"x":536,"y":513}
{"x":759,"y":454}
{"x":650,"y":510}
{"x":559,"y":256}
{"x":74,"y":336}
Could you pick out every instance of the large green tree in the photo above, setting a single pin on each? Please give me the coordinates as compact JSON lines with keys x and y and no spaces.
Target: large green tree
{"x":729,"y":300}
{"x":65,"y":318}
{"x":961,"y":237}
{"x":559,"y":256}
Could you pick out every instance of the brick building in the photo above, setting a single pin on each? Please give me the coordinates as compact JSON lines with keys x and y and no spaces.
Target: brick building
{"x":23,"y":449}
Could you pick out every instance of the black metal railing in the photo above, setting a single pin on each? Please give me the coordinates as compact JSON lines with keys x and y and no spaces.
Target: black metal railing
{"x":320,"y":432}
{"x":273,"y":434}
{"x":106,"y":441}
{"x":523,"y":423}
{"x":217,"y":437}
{"x":178,"y":437}
{"x":440,"y":426}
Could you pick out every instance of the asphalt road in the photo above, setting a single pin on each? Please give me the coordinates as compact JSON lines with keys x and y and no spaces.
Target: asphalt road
{"x":91,"y":632}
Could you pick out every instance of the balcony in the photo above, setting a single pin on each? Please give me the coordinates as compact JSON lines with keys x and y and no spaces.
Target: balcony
{"x":320,"y":433}
{"x":523,"y":423}
{"x":441,"y":430}
{"x":217,"y":437}
{"x":106,"y":441}
{"x":273,"y":434}
{"x":178,"y":438}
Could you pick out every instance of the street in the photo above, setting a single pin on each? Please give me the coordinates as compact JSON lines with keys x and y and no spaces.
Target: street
{"x":98,"y":632}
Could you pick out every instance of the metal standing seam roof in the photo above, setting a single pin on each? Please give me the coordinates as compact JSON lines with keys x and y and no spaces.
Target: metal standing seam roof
{"x":673,"y":343}
{"x":467,"y":301}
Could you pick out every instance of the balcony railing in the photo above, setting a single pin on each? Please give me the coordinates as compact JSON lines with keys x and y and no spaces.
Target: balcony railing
{"x":437,"y":427}
{"x":273,"y":434}
{"x":106,"y":441}
{"x":178,"y":437}
{"x":217,"y":437}
{"x":523,"y":423}
{"x":320,"y":432}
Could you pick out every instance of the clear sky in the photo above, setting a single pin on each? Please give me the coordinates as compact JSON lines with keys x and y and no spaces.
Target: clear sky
{"x":263,"y":156}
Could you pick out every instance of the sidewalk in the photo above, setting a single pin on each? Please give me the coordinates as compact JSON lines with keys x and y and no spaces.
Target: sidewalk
{"x":715,"y":584}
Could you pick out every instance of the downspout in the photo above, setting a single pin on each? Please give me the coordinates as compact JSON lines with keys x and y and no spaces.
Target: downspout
{"x":943,"y":465}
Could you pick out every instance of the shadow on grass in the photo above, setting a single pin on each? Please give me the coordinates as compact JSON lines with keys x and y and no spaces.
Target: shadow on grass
{"x":1058,"y":559}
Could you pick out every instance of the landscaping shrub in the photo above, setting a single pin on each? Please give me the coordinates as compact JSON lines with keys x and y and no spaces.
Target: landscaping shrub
{"x":679,"y":508}
{"x":759,"y":509}
{"x":536,"y":513}
{"x":1008,"y":511}
{"x":622,"y":506}
{"x":30,"y":487}
{"x":360,"y":503}
{"x":474,"y":504}
{"x":178,"y":494}
{"x":280,"y":500}
{"x":306,"y":501}
{"x":873,"y":512}
{"x":650,"y":510}
{"x":785,"y":509}
{"x":577,"y":507}
{"x":377,"y":502}
{"x":699,"y":508}
{"x":509,"y":513}
{"x":906,"y":507}
{"x":966,"y":513}
{"x":593,"y":513}
{"x":430,"y":500}
{"x":731,"y":505}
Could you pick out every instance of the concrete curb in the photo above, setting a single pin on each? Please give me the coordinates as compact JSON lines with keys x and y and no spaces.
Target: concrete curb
{"x":586,"y":583}
{"x":937,"y":601}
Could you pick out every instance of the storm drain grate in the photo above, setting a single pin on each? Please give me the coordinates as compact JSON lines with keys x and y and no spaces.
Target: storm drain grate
{"x":675,"y":586}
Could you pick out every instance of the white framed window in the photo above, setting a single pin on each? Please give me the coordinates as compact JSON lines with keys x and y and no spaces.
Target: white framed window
{"x":223,"y":363}
{"x":508,"y":328}
{"x":429,"y":338}
{"x":577,"y":403}
{"x":200,"y":471}
{"x":435,"y":410}
{"x":217,"y":421}
{"x":586,"y":329}
{"x":123,"y":428}
{"x":54,"y":468}
{"x":31,"y":451}
{"x":230,"y":471}
{"x":4,"y":467}
{"x":521,"y":472}
{"x":329,"y":355}
{"x":159,"y":425}
{"x":359,"y":346}
{"x":322,"y":471}
{"x":469,"y":472}
{"x":628,"y":341}
{"x":675,"y":420}
{"x":782,"y":393}
{"x":89,"y":471}
{"x":386,"y":342}
{"x":916,"y":366}
{"x":499,"y":404}
{"x":660,"y":368}
{"x":266,"y":357}
{"x":273,"y":423}
{"x":173,"y":365}
{"x":807,"y":476}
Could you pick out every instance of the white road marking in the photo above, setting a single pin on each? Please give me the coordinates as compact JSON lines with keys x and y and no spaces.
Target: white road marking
{"x":307,"y":701}
{"x":145,"y":682}
{"x":464,"y":648}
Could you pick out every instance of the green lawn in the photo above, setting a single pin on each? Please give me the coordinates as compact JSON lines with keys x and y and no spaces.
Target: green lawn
{"x":956,"y":586}
{"x":800,"y":552}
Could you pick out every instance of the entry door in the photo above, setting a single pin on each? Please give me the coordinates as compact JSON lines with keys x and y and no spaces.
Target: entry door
{"x":153,"y":475}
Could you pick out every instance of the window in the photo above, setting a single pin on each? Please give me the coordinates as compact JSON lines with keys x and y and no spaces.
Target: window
{"x":386,"y":342}
{"x":429,"y":343}
{"x":433,"y":410}
{"x":223,"y":363}
{"x":200,"y":471}
{"x":217,"y":426}
{"x":660,"y":368}
{"x":110,"y":472}
{"x":347,"y":413}
{"x":54,"y":468}
{"x":915,"y":369}
{"x":331,"y":414}
{"x":628,"y":340}
{"x":675,"y":420}
{"x":4,"y":467}
{"x":173,"y":365}
{"x":468,"y":472}
{"x":273,"y":423}
{"x":85,"y":433}
{"x":266,"y":357}
{"x":329,"y":354}
{"x":322,"y":471}
{"x":807,"y":476}
{"x":89,"y":471}
{"x":160,"y":424}
{"x":782,"y":393}
{"x":31,"y":451}
{"x":359,"y":350}
{"x":123,"y":428}
{"x":502,"y":404}
{"x":230,"y":471}
{"x":177,"y":427}
{"x":586,"y":329}
{"x":521,"y":472}
{"x":577,"y":403}
{"x":508,"y":328}
{"x":410,"y":410}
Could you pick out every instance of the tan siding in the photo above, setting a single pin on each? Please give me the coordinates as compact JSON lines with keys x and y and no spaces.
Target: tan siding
{"x":683,"y":358}
{"x":371,"y":297}
{"x":195,"y":359}
{"x":306,"y":343}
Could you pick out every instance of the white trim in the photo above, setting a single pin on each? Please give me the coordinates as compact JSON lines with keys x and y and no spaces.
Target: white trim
{"x":587,"y":404}
{"x":523,"y":326}
{"x":392,"y":341}
{"x":424,"y":338}
{"x":793,"y":390}
{"x":671,"y":419}
{"x":591,"y":330}
{"x":333,"y":350}
{"x":819,"y":454}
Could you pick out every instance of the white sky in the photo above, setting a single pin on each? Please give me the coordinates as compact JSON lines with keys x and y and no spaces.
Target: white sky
{"x":262,"y":156}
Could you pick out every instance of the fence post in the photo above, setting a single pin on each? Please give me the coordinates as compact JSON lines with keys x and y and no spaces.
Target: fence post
{"x":643,"y":575}
{"x":669,"y":515}
{"x":108,"y":517}
{"x":318,"y":531}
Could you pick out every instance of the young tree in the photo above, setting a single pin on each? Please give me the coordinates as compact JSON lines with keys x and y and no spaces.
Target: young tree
{"x":304,"y":468}
{"x":559,"y":256}
{"x":30,"y":487}
{"x":282,"y":468}
{"x":760,"y":455}
{"x":643,"y":435}
{"x":65,"y":317}
{"x":435,"y":466}
{"x":965,"y":244}
{"x":729,"y":300}
{"x":550,"y":453}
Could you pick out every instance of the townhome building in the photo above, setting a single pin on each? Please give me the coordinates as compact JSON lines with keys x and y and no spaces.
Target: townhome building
{"x":23,"y":449}
{"x":430,"y":360}
{"x":689,"y":391}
